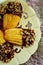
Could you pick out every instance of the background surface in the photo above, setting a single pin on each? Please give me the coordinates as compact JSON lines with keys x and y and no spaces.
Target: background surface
{"x":37,"y":58}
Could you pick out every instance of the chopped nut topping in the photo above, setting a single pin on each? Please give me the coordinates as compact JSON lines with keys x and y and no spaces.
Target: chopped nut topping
{"x":28,"y":37}
{"x":6,"y":52}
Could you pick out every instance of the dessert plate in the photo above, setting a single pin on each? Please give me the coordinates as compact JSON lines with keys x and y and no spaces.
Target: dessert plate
{"x":32,"y":18}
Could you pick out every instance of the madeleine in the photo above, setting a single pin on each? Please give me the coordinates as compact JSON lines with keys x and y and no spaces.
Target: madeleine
{"x":1,"y":37}
{"x":14,"y":36}
{"x":10,"y":21}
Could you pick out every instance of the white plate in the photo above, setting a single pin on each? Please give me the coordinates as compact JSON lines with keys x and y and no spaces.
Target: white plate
{"x":26,"y":53}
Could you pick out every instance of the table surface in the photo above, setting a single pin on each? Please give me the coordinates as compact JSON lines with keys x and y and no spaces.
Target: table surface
{"x":37,"y":58}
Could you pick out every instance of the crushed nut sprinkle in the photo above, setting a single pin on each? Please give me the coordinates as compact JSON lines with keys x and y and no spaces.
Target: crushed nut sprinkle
{"x":1,"y":21}
{"x":14,"y":8}
{"x":28,"y":37}
{"x":6,"y":52}
{"x":17,"y":51}
{"x":11,"y":7}
{"x":25,"y":15}
{"x":29,"y":24}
